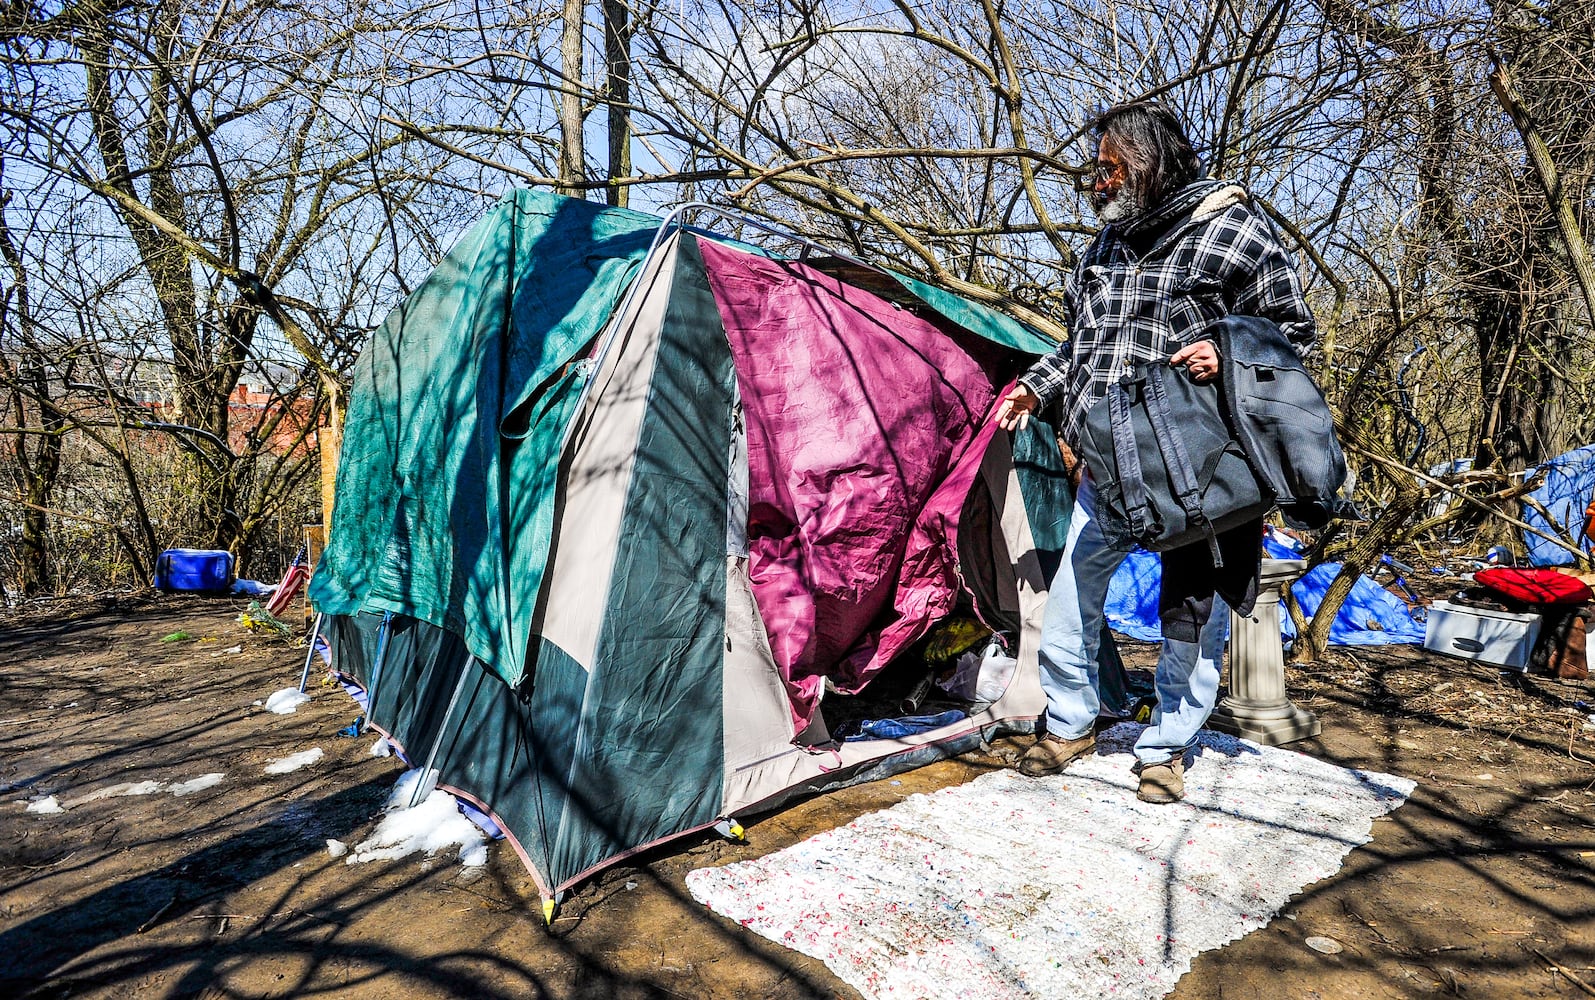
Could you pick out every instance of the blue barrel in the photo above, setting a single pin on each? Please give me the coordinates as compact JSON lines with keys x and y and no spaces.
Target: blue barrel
{"x":194,"y":569}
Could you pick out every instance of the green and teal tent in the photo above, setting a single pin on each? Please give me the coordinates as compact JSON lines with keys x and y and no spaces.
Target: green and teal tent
{"x":630,"y":518}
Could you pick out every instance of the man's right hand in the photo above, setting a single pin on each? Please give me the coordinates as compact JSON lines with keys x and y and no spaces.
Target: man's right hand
{"x":1016,"y":407}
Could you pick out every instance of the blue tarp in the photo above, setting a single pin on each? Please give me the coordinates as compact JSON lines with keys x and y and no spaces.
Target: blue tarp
{"x":1371,"y":615}
{"x":1569,"y":482}
{"x":1132,"y":597}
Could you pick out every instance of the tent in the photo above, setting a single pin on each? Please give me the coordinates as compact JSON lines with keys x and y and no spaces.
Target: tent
{"x":625,"y":508}
{"x":1564,"y":495}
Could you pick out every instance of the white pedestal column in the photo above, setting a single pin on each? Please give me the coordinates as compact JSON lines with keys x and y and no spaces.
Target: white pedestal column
{"x":1257,"y":707}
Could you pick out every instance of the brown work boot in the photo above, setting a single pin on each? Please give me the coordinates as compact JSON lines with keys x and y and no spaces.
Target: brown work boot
{"x":1162,"y":783}
{"x":1052,"y":754}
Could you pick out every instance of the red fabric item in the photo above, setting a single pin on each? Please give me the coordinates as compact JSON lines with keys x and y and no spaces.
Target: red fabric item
{"x":866,"y":429}
{"x":1535,"y":586}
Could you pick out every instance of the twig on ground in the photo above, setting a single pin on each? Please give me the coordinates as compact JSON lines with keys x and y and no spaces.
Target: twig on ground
{"x":1399,"y":949}
{"x":1564,"y":970}
{"x":494,"y":900}
{"x":157,"y":915}
{"x":1572,"y":731}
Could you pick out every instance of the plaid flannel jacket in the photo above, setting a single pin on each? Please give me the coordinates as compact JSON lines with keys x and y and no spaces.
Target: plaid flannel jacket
{"x":1206,"y":253}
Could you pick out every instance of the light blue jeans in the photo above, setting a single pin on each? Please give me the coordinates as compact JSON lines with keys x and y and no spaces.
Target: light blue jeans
{"x":1187,"y":672}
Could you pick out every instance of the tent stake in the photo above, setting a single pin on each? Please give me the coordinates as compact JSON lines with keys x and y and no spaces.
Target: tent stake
{"x":315,"y":630}
{"x":376,"y":667}
{"x":443,"y":728}
{"x":550,"y":907}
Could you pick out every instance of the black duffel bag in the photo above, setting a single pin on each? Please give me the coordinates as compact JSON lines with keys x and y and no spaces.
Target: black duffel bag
{"x":1281,"y":420}
{"x":1168,"y":472}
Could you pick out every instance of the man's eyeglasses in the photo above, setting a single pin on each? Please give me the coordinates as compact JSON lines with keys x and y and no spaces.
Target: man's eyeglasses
{"x":1094,"y":172}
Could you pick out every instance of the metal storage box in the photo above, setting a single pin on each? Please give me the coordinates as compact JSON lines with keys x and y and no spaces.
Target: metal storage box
{"x":1498,"y":637}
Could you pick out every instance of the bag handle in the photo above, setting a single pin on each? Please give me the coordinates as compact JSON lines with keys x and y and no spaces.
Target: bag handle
{"x":1132,"y":486}
{"x":1178,"y":460}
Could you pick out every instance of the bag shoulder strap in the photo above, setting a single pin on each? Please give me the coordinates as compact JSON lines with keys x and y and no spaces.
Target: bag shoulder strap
{"x":1182,"y":475}
{"x":1132,"y":485}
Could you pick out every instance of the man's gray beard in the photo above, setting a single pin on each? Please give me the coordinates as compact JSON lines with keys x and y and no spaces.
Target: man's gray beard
{"x":1123,"y":207}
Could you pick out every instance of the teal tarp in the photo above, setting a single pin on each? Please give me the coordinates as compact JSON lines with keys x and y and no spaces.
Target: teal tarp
{"x":446,"y":479}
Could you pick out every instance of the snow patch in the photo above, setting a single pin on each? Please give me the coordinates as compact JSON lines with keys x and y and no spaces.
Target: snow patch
{"x":200,"y":783}
{"x":286,"y":701}
{"x":293,"y":762}
{"x":404,"y":789}
{"x":48,"y":805}
{"x":98,"y":794}
{"x":122,"y":788}
{"x":337,"y":848}
{"x":434,"y":824}
{"x":380,"y":748}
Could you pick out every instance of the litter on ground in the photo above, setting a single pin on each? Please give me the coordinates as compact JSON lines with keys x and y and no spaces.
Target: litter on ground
{"x":286,"y":701}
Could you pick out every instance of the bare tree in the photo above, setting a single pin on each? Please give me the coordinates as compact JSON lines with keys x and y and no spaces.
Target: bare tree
{"x":259,"y":164}
{"x":240,"y":179}
{"x":35,"y":436}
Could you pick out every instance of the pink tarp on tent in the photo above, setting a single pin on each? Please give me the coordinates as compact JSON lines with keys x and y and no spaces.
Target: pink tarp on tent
{"x":866,"y":426}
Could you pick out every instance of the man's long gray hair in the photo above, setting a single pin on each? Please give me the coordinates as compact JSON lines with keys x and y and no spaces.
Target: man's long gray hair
{"x":1153,"y":143}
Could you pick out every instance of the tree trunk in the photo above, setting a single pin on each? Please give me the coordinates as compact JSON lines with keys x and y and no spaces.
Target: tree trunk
{"x":1380,"y":536}
{"x":1539,"y":156}
{"x":29,"y":376}
{"x":617,"y":54}
{"x":571,"y":157}
{"x":202,"y":380}
{"x":329,"y":442}
{"x":37,"y":573}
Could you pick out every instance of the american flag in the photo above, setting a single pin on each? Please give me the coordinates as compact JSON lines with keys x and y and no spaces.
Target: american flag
{"x":292,"y":582}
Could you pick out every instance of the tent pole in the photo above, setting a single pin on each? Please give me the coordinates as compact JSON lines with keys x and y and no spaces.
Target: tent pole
{"x":315,"y":630}
{"x":376,"y":667}
{"x":443,"y":728}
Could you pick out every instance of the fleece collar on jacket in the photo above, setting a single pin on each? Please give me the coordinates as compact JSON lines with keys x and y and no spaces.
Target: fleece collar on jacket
{"x":1198,"y":199}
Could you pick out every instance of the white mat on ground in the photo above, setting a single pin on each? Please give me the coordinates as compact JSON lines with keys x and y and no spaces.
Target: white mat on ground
{"x":1065,"y":886}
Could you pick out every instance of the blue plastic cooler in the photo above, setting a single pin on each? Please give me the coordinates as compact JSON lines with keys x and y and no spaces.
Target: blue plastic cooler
{"x":194,"y":569}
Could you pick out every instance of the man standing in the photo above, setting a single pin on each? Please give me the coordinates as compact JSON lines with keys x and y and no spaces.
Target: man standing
{"x":1176,"y":254}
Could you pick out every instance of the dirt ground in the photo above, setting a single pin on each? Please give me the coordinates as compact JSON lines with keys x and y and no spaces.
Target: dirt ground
{"x":1482,"y":885}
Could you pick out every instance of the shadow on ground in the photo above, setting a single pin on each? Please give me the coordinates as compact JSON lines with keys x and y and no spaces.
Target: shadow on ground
{"x":1478,"y":886}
